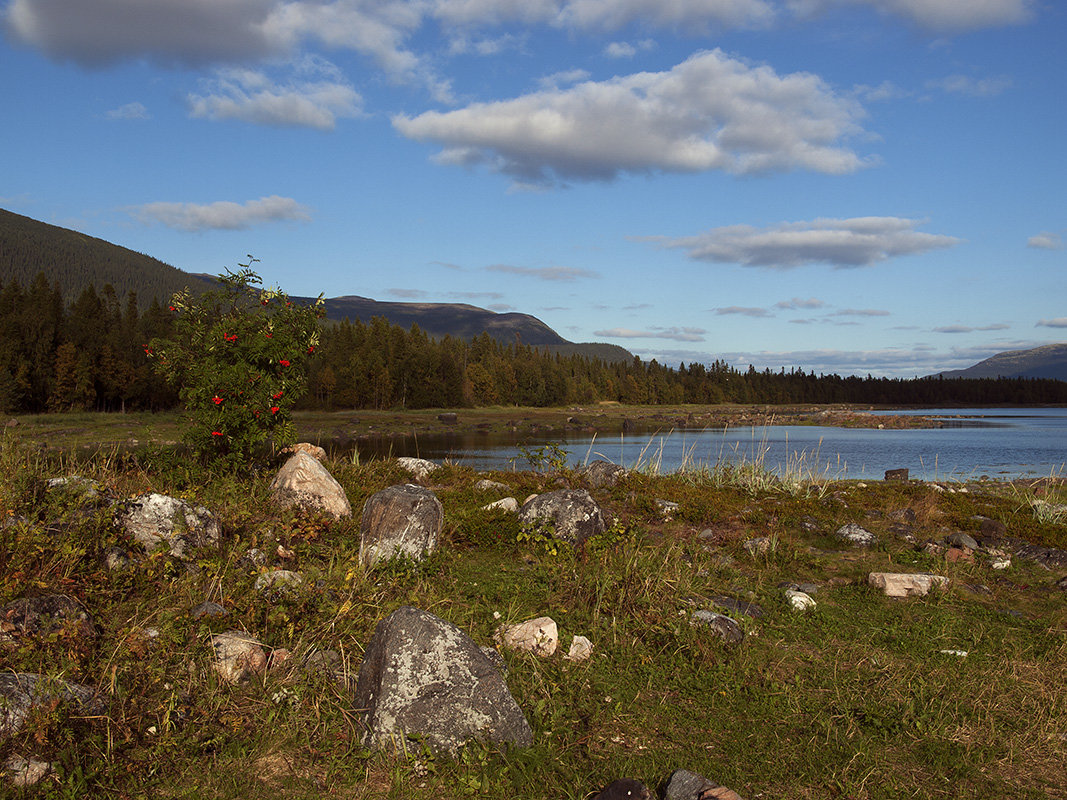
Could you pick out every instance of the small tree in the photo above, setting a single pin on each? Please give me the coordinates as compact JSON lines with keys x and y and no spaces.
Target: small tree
{"x":239,"y":357}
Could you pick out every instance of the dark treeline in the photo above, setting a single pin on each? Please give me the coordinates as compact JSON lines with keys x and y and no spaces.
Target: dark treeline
{"x":89,"y":355}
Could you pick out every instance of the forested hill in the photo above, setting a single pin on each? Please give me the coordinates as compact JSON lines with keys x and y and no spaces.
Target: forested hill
{"x":74,"y":261}
{"x":1048,"y":361}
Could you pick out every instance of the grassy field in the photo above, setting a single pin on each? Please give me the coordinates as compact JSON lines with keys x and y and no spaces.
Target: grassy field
{"x":855,"y":699}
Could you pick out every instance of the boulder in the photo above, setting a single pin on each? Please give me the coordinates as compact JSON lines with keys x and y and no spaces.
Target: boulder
{"x":303,"y":482}
{"x":425,"y":680}
{"x":568,"y":514}
{"x":21,"y":692}
{"x":158,"y":519}
{"x":601,"y":473}
{"x":895,"y":584}
{"x":538,"y":636}
{"x":238,"y":656}
{"x":40,"y":616}
{"x":312,"y":450}
{"x":420,"y":468}
{"x":403,"y":520}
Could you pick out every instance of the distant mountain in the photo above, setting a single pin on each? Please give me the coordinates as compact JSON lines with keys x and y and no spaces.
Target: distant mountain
{"x":75,"y":261}
{"x":1049,"y":361}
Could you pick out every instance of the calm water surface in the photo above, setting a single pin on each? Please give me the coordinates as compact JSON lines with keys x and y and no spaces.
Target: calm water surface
{"x":998,"y":443}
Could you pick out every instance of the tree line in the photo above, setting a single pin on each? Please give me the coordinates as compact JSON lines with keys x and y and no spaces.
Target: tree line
{"x":89,"y":355}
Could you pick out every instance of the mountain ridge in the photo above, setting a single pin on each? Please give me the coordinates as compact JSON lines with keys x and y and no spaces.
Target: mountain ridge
{"x":1046,"y":361}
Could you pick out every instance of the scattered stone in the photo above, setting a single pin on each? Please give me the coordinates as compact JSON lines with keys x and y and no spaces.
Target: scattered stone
{"x":326,"y":662}
{"x":538,"y":636}
{"x":740,"y":606}
{"x":955,"y":554}
{"x":1050,"y":557}
{"x":685,"y":785}
{"x":1062,"y":583}
{"x":623,"y":789}
{"x":117,"y":560}
{"x":312,"y":450}
{"x":667,"y":508}
{"x":856,"y":535}
{"x":603,"y":474}
{"x":761,"y":545}
{"x":580,"y":650}
{"x":426,"y":679}
{"x":806,"y":588}
{"x":895,"y":584}
{"x":75,"y":485}
{"x":961,"y":539}
{"x":509,"y":504}
{"x":486,"y":485}
{"x":896,"y":474}
{"x":993,"y":529}
{"x":449,"y":418}
{"x":720,"y":624}
{"x":568,"y":514}
{"x":38,"y":617}
{"x":800,"y":601}
{"x":957,"y":653}
{"x":27,"y":771}
{"x":1000,"y":563}
{"x":238,"y":656}
{"x":278,"y":579}
{"x":208,"y":609}
{"x":305,"y":483}
{"x":253,"y":557}
{"x":11,"y":423}
{"x":21,"y":692}
{"x":154,"y":519}
{"x":418,"y":467}
{"x":977,"y":588}
{"x":403,"y":520}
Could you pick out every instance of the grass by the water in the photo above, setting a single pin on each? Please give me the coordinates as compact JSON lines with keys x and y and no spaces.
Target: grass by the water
{"x":863,"y":697}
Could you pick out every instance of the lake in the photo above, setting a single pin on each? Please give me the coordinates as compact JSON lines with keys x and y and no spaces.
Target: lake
{"x":997,"y":443}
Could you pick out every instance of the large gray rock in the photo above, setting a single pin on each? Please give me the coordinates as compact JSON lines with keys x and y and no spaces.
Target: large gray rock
{"x":21,"y":692}
{"x":568,"y":514}
{"x":304,"y":482}
{"x":686,"y":785}
{"x":158,"y":519}
{"x":403,"y":520}
{"x":601,"y":473}
{"x":424,"y":680}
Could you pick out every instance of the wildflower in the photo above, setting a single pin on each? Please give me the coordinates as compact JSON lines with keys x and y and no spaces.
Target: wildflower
{"x":217,"y":400}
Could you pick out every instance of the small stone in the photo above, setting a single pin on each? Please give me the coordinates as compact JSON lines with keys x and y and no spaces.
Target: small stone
{"x":418,"y":467}
{"x":896,"y":474}
{"x":509,"y":504}
{"x":278,"y":579}
{"x":538,"y":636}
{"x":894,"y":584}
{"x":856,"y":535}
{"x":1000,"y":563}
{"x":623,"y":789}
{"x":601,"y":474}
{"x":740,"y":606}
{"x":961,"y":539}
{"x":759,"y":546}
{"x":800,"y":601}
{"x":580,"y":650}
{"x":208,"y":609}
{"x":686,"y":785}
{"x":957,"y":653}
{"x":238,"y":656}
{"x":954,"y":554}
{"x":27,"y":771}
{"x":486,"y":485}
{"x":720,"y":624}
{"x":667,"y":508}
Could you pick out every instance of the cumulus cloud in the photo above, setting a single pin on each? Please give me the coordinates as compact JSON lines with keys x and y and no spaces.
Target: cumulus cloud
{"x":602,"y":15}
{"x":974,"y":87}
{"x":557,"y":79}
{"x":841,"y":243}
{"x":545,"y":273}
{"x":676,"y":334}
{"x":129,"y":111}
{"x":314,"y":99}
{"x":938,"y":15}
{"x":1058,"y":322}
{"x":711,"y":112}
{"x":743,"y":311}
{"x":223,"y":215}
{"x":1046,"y":241}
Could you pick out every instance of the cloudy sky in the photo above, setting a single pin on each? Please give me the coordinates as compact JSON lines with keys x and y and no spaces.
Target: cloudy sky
{"x":849,"y":186}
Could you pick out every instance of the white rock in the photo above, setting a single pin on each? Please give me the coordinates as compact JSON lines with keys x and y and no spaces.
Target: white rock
{"x":855,"y":534}
{"x":303,"y":481}
{"x":538,"y":636}
{"x":959,"y":653}
{"x":581,"y":649}
{"x":507,"y":504}
{"x":27,"y":771}
{"x":800,"y":601}
{"x":419,"y":467}
{"x":1000,"y":563}
{"x":238,"y":656}
{"x":895,"y":584}
{"x":278,"y":579}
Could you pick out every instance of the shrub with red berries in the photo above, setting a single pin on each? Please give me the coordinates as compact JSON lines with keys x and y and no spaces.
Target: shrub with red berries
{"x":239,"y":356}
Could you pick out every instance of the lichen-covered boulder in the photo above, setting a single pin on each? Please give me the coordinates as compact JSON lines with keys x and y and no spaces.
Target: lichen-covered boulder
{"x":304,"y":482}
{"x":419,"y":467}
{"x":568,"y":514}
{"x":423,"y":680}
{"x":21,"y":692}
{"x":156,"y":519}
{"x":601,"y":473}
{"x":400,"y":521}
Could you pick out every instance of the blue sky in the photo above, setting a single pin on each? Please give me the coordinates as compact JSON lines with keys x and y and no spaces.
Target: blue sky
{"x":846,"y":186}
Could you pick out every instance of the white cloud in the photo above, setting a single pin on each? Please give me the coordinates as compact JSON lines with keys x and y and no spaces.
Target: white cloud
{"x":558,"y":79}
{"x":940,"y":15}
{"x":974,"y":87}
{"x":861,"y":312}
{"x":252,"y":96}
{"x":1058,"y":322}
{"x":545,"y":273}
{"x":711,"y":112}
{"x":799,"y":302}
{"x":743,"y":311}
{"x":628,"y":49}
{"x":129,"y":111}
{"x":856,"y":242}
{"x":223,"y":215}
{"x":607,"y":15}
{"x":676,"y":334}
{"x":996,"y":326}
{"x":1046,"y":240}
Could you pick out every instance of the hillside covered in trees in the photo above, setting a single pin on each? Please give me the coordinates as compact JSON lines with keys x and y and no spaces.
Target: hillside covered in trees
{"x":89,"y":355}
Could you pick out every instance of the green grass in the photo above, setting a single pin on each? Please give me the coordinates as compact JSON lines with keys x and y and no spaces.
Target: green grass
{"x":853,"y":699}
